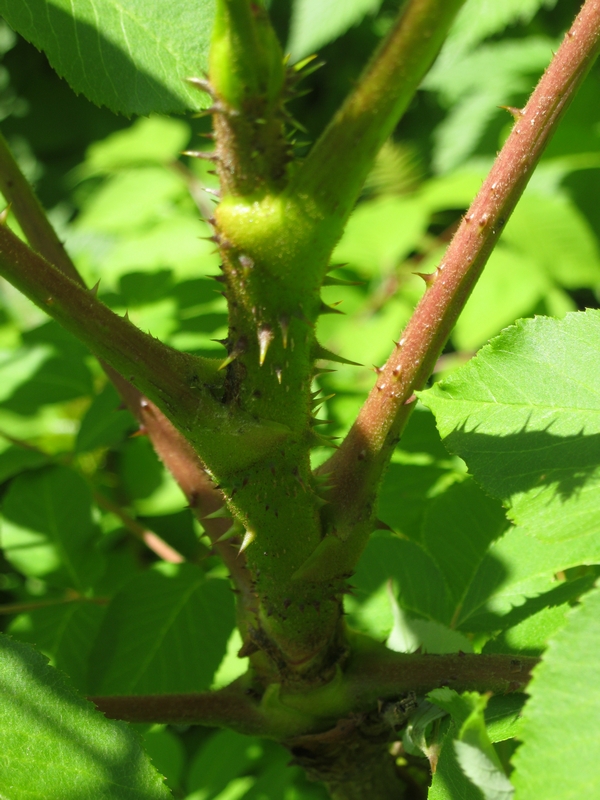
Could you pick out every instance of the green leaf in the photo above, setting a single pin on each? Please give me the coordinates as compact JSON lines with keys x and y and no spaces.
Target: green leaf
{"x":525,"y":416}
{"x":17,"y":459}
{"x":105,"y":423}
{"x":47,"y":529}
{"x":474,"y":751}
{"x":517,"y":579}
{"x":380,"y":233}
{"x":132,"y":57}
{"x":55,"y":744}
{"x":167,"y":753}
{"x":449,"y":781}
{"x":475,"y":85}
{"x":479,"y":19}
{"x":552,"y":232}
{"x":316,"y":23}
{"x":530,"y":636}
{"x":511,"y":286}
{"x":155,"y":140}
{"x":564,"y":708}
{"x":165,"y":631}
{"x":65,"y":634}
{"x":224,"y":756}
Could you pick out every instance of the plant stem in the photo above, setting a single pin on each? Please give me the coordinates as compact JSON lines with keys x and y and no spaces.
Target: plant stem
{"x":70,"y":597}
{"x":230,"y":707}
{"x":335,"y":169}
{"x":376,"y":674}
{"x":180,"y":383}
{"x":174,"y":450}
{"x":180,"y":459}
{"x":152,"y":540}
{"x":30,"y":214}
{"x":359,"y":463}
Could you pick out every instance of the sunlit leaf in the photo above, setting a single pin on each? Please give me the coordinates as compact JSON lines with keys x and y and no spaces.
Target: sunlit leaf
{"x":565,"y":703}
{"x":132,"y":57}
{"x":55,"y":744}
{"x":47,"y":528}
{"x":525,"y":416}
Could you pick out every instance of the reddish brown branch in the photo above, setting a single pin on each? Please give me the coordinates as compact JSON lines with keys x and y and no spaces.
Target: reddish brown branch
{"x":358,"y":465}
{"x":172,"y":448}
{"x":228,"y":707}
{"x":369,"y":677}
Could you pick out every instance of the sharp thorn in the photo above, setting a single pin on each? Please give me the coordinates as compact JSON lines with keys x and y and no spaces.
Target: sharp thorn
{"x":236,"y":351}
{"x":516,"y":113}
{"x":325,"y":309}
{"x":332,"y":267}
{"x":206,"y":155}
{"x":327,"y":355}
{"x":265,"y":337}
{"x":4,"y":214}
{"x":220,"y":513}
{"x":428,"y":277}
{"x":202,"y":84}
{"x":284,"y":324}
{"x":329,"y":281}
{"x":249,"y":537}
{"x":95,"y":287}
{"x":380,"y":525}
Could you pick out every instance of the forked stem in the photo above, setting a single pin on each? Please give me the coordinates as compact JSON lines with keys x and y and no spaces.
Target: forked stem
{"x":359,"y":463}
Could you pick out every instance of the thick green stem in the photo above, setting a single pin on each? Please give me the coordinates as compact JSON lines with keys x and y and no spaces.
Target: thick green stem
{"x":330,"y":179}
{"x":359,"y":463}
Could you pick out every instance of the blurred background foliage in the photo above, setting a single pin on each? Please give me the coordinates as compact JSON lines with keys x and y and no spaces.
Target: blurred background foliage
{"x":132,"y":212}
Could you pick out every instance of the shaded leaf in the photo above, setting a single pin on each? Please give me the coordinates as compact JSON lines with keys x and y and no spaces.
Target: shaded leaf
{"x":163,"y":632}
{"x":47,"y":529}
{"x":104,"y":423}
{"x":564,"y":703}
{"x":17,"y":459}
{"x":131,"y":57}
{"x":65,"y":634}
{"x":55,"y":744}
{"x":316,"y":23}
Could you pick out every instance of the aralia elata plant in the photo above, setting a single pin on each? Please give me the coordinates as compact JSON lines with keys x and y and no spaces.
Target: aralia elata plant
{"x":237,"y":432}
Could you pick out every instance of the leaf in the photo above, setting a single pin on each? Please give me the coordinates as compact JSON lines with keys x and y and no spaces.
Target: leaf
{"x":479,"y":19}
{"x":17,"y":459}
{"x":155,"y":140}
{"x":105,"y":422}
{"x":474,"y":751}
{"x":380,"y":233}
{"x":525,"y":416}
{"x":317,"y":22}
{"x":531,"y":635}
{"x":475,"y":84}
{"x":483,"y":772}
{"x":163,"y":632}
{"x":166,"y":752}
{"x":449,"y":781}
{"x":47,"y":529}
{"x":65,"y":634}
{"x":55,"y":744}
{"x":222,"y":757}
{"x":517,"y":578}
{"x":511,"y":286}
{"x":131,"y":56}
{"x":564,"y":708}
